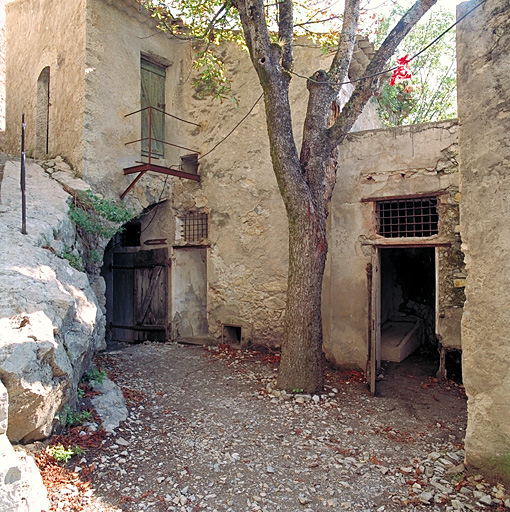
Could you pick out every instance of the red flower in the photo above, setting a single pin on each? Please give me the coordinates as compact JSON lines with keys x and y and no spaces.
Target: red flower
{"x":401,"y":73}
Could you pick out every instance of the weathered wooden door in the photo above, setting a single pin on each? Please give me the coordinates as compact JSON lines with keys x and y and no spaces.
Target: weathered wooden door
{"x":140,"y":296}
{"x":375,"y":319}
{"x":153,"y":95}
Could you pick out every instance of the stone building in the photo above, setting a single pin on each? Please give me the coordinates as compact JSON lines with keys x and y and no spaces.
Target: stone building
{"x":223,"y":237}
{"x":206,"y":255}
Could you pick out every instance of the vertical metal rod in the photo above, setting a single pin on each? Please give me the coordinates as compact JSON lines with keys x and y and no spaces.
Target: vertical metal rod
{"x":23,"y":189}
{"x":150,"y":133}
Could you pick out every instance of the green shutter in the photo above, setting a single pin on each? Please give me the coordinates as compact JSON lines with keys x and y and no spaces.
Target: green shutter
{"x":153,"y":94}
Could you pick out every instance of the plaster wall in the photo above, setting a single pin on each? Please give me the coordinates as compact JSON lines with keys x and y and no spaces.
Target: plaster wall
{"x":383,"y":164}
{"x":118,"y":34}
{"x":38,"y":38}
{"x":483,"y":49}
{"x":248,"y":233}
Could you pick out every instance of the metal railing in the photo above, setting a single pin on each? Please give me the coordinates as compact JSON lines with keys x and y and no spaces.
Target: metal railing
{"x":150,"y":137}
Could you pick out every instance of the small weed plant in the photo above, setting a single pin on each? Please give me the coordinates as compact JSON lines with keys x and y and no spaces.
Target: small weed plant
{"x":62,"y":454}
{"x":95,"y":375}
{"x":71,"y":417}
{"x":97,"y":215}
{"x":75,"y":261}
{"x":97,"y":256}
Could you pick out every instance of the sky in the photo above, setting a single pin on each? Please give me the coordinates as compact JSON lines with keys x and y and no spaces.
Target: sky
{"x":448,"y":4}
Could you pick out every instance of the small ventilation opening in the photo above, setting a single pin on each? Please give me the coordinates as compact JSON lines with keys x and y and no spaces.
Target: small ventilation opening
{"x":232,"y":334}
{"x":189,"y":163}
{"x":404,"y":218}
{"x":130,"y":234}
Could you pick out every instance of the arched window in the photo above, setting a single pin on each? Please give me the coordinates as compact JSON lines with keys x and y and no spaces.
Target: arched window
{"x":42,"y":113}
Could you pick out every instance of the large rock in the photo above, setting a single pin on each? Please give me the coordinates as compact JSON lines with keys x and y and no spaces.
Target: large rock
{"x":21,"y":486}
{"x":50,"y":321}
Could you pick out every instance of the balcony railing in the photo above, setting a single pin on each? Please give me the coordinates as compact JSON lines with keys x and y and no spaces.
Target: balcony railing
{"x":187,"y":169}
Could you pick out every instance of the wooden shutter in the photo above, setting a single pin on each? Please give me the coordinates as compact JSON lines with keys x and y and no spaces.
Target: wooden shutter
{"x":153,"y":94}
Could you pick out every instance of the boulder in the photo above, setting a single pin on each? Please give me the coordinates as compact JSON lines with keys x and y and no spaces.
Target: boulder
{"x":21,"y":486}
{"x":50,"y":321}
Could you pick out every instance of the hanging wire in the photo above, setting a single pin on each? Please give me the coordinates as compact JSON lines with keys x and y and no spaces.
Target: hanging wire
{"x":233,"y":129}
{"x":433,"y":42}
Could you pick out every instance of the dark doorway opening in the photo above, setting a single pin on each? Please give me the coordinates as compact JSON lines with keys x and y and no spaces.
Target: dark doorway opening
{"x":408,"y":343}
{"x":408,"y":299}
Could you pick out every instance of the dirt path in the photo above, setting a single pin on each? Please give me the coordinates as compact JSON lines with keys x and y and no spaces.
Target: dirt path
{"x":205,"y":432}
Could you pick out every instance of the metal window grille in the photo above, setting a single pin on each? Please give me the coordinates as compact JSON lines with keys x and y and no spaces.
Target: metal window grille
{"x":415,"y":217}
{"x":195,"y":226}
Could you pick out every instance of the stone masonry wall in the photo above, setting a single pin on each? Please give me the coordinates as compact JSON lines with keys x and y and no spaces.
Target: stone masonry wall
{"x":377,"y":164}
{"x":38,"y":38}
{"x":483,"y":49}
{"x":248,"y":234}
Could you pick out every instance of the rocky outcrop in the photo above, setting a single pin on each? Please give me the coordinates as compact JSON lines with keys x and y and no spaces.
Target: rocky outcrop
{"x":50,"y":321}
{"x":21,"y":487}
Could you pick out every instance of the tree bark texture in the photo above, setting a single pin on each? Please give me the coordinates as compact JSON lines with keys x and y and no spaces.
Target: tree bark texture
{"x":306,"y":179}
{"x":301,"y":361}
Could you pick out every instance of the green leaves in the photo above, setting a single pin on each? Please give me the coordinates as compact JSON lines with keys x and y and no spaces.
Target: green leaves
{"x":434,"y":80}
{"x":98,"y":216}
{"x":62,"y":454}
{"x":212,"y":79}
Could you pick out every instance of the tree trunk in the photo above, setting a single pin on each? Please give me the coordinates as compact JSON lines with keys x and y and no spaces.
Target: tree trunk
{"x":301,"y":362}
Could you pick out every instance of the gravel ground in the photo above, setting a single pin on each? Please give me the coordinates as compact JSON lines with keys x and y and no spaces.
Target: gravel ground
{"x":207,"y":432}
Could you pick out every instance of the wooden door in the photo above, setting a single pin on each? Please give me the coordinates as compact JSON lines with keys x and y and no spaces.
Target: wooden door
{"x":122,"y":321}
{"x":153,"y":95}
{"x":151,"y":294}
{"x":140,"y":296}
{"x":375,"y":319}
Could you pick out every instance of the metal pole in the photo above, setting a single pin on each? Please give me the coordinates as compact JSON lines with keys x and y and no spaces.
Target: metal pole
{"x":150,"y":133}
{"x":23,"y":190}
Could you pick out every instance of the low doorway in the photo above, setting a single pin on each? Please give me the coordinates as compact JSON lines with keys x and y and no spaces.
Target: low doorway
{"x":137,"y":287}
{"x":403,"y":307}
{"x":407,"y":295}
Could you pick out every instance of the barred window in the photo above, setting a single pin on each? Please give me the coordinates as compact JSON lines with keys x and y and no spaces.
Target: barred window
{"x":194,"y":226}
{"x":416,"y":217}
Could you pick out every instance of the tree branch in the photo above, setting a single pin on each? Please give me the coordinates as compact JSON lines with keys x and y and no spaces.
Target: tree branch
{"x":314,"y":150}
{"x":286,"y":31}
{"x":267,"y":61}
{"x":340,"y":65}
{"x":365,"y":88}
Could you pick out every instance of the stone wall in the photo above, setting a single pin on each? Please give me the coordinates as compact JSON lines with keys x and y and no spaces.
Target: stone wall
{"x":388,"y":163}
{"x":38,"y":38}
{"x":483,"y":49}
{"x":248,"y":236}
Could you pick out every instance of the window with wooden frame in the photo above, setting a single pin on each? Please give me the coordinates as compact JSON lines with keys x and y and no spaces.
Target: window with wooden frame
{"x":403,"y":218}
